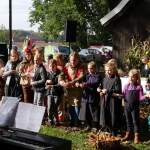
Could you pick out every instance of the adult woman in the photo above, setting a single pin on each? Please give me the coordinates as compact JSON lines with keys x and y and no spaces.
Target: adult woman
{"x":12,"y":85}
{"x":73,"y":72}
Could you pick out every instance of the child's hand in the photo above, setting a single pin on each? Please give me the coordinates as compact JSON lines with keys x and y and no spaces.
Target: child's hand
{"x":76,"y":101}
{"x":101,"y":93}
{"x":48,"y":81}
{"x":32,"y":83}
{"x":117,"y":95}
{"x":62,"y":83}
{"x":98,"y":89}
{"x":104,"y":91}
{"x":48,"y":87}
{"x":147,"y":96}
{"x":82,"y":85}
{"x":77,"y":84}
{"x":67,"y":84}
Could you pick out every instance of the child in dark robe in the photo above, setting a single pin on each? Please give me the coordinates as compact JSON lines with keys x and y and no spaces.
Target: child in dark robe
{"x":90,"y":98}
{"x":111,"y":101}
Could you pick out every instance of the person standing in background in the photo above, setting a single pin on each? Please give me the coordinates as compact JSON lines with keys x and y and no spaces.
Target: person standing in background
{"x":25,"y":71}
{"x":2,"y":81}
{"x":12,"y":85}
{"x":145,"y":67}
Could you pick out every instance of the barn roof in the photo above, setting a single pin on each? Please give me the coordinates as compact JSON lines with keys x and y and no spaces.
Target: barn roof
{"x":116,"y":12}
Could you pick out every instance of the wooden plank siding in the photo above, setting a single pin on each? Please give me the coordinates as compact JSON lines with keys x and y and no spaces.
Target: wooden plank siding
{"x":133,"y":22}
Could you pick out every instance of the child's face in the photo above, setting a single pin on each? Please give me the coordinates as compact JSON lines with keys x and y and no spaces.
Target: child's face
{"x":133,"y":78}
{"x":144,"y":60}
{"x":52,"y":67}
{"x":28,"y":56}
{"x":73,"y":61}
{"x":91,"y":69}
{"x":14,"y":56}
{"x":37,"y":60}
{"x":109,"y":71}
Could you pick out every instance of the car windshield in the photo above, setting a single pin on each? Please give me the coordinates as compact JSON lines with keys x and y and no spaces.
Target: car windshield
{"x":64,"y":49}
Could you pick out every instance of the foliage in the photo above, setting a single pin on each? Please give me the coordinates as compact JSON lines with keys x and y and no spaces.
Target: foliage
{"x":78,"y":138}
{"x":51,"y":15}
{"x":138,"y":49}
{"x":93,"y":11}
{"x":20,"y":35}
{"x":3,"y":34}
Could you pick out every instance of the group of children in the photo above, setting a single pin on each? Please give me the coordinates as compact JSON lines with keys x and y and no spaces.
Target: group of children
{"x":88,"y":98}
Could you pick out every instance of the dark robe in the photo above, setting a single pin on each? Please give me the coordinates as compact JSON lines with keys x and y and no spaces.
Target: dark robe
{"x":90,"y":98}
{"x":110,"y":106}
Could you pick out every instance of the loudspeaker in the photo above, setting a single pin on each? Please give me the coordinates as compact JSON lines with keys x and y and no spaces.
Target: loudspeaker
{"x":70,"y":31}
{"x":3,"y":52}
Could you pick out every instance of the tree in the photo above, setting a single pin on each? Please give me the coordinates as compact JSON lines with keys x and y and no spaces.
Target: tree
{"x":51,"y":15}
{"x":3,"y":34}
{"x":93,"y":11}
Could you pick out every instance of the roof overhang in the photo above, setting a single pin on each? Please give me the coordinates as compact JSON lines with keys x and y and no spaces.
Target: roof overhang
{"x":116,"y":12}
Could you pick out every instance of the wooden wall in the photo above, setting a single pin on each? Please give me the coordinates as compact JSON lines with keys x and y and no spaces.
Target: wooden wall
{"x":135,"y":21}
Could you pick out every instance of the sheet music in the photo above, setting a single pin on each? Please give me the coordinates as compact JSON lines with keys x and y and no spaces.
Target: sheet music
{"x":8,"y":108}
{"x":29,"y":117}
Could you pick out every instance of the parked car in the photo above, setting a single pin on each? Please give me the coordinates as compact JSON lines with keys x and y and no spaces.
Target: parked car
{"x":106,"y":51}
{"x":54,"y":49}
{"x":85,"y":55}
{"x":97,"y":55}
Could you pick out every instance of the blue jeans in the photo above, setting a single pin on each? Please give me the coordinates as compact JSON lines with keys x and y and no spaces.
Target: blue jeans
{"x":38,"y":98}
{"x":52,"y":107}
{"x":74,"y":115}
{"x":132,"y":119}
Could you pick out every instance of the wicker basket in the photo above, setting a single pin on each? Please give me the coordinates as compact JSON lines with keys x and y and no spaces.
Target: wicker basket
{"x":107,"y":145}
{"x":106,"y":141}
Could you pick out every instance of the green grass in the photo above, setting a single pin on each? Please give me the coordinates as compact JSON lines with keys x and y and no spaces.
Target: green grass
{"x":79,"y":139}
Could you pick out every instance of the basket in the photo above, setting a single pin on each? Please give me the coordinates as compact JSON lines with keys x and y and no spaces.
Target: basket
{"x":105,"y":141}
{"x":107,"y":145}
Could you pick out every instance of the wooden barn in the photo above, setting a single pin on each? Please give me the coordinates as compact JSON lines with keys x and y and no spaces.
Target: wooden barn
{"x":128,"y":19}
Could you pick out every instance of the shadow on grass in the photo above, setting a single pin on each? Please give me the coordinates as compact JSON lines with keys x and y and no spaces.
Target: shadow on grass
{"x":127,"y":147}
{"x":120,"y":147}
{"x":145,"y":134}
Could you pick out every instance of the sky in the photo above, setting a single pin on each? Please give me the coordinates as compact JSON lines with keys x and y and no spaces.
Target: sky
{"x":20,"y":14}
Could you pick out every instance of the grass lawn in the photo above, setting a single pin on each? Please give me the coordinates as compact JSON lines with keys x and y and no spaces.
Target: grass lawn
{"x":79,"y":139}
